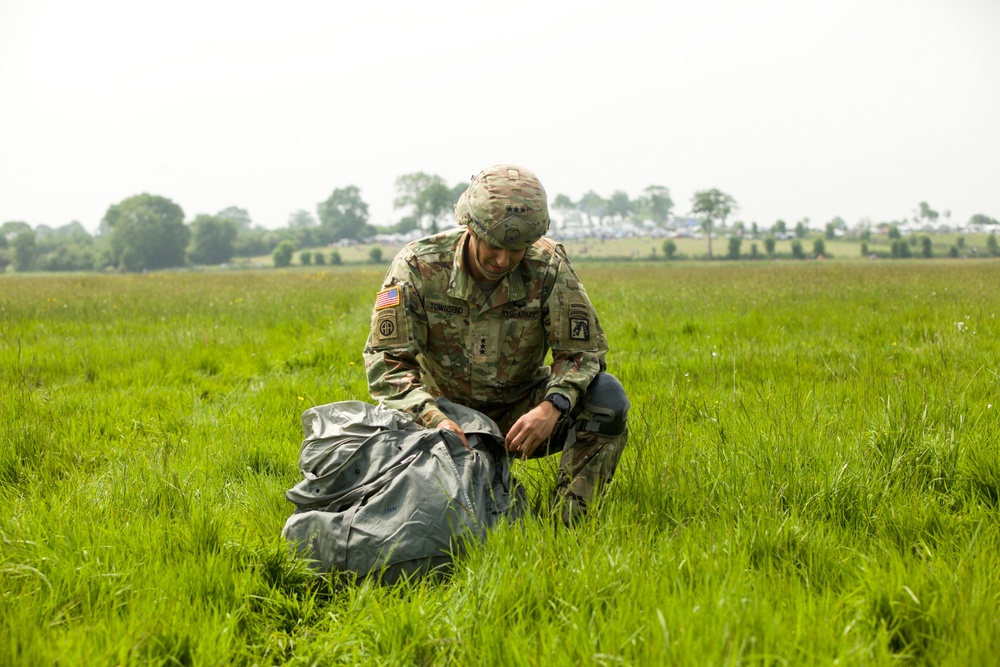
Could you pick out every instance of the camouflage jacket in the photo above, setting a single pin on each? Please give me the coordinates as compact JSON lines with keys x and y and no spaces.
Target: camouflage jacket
{"x":434,"y":334}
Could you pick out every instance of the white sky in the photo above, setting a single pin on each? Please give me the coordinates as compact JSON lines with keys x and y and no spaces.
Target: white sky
{"x":796,"y":108}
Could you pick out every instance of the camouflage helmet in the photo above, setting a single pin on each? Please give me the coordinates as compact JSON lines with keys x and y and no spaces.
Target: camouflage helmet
{"x":505,"y":206}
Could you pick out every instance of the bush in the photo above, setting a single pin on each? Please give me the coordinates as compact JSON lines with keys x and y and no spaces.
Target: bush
{"x":70,"y":257}
{"x":769,"y":244}
{"x":991,"y":245}
{"x":797,"y":249}
{"x":900,"y":249}
{"x":305,"y":258}
{"x":669,"y":248}
{"x":734,"y":247}
{"x":335,"y":258}
{"x":318,"y":258}
{"x":375,"y":255}
{"x":282,"y":255}
{"x":819,"y":247}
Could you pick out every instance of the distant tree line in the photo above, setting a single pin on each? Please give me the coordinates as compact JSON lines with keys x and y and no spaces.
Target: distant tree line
{"x":149,"y":232}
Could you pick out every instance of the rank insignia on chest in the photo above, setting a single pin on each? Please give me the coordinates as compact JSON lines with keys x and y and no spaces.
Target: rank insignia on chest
{"x":387,"y":298}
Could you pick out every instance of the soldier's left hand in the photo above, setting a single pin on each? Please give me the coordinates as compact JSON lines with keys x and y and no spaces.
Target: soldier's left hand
{"x":532,"y":429}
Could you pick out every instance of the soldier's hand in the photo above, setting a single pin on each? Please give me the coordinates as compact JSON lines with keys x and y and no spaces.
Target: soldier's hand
{"x":452,"y":426}
{"x":532,"y":429}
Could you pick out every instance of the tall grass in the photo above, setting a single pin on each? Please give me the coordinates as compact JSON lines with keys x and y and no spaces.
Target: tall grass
{"x":813,"y":476}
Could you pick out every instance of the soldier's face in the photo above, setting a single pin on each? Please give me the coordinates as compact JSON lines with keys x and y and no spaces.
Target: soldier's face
{"x":490,"y":263}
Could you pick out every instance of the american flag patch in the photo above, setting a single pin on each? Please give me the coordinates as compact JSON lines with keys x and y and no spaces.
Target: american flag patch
{"x":387,"y":298}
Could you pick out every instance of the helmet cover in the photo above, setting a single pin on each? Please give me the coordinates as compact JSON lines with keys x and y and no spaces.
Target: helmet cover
{"x":506,"y":206}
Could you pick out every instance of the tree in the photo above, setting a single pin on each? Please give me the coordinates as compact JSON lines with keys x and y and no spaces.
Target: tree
{"x":656,"y":204}
{"x":146,"y":232}
{"x":801,"y":227}
{"x":835,"y":225}
{"x":49,"y":239}
{"x":926,"y":214}
{"x":439,"y":203}
{"x":12,"y":228}
{"x":300,"y":219}
{"x":428,"y":195}
{"x":978,"y":219}
{"x":239,"y":216}
{"x":779,"y":227}
{"x":344,"y":215}
{"x":713,"y":205}
{"x":282,"y":255}
{"x":926,"y":248}
{"x":258,"y":242}
{"x":563,"y":204}
{"x":797,"y":252}
{"x":212,"y":239}
{"x":592,"y":205}
{"x":305,"y":257}
{"x":375,"y":255}
{"x":619,"y":205}
{"x":669,"y":248}
{"x":24,"y":250}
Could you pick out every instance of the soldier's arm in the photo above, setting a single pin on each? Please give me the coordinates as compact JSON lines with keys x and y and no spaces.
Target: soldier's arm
{"x":575,"y":335}
{"x":397,"y":336}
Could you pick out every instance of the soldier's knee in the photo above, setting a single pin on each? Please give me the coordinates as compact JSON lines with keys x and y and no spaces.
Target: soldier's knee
{"x":605,"y":406}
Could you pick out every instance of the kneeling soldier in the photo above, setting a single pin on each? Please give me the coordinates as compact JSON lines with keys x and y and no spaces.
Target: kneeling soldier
{"x":471,"y":313}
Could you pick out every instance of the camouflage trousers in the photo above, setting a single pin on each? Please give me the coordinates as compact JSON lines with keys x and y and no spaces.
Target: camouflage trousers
{"x":589,"y":459}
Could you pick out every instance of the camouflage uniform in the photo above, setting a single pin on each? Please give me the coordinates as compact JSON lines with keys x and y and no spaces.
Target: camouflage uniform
{"x":434,"y":333}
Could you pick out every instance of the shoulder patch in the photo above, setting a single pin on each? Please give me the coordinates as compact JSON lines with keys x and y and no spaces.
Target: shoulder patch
{"x":579,"y":322}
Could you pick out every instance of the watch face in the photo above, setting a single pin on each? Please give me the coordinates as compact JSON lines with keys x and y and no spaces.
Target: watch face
{"x":560,"y":401}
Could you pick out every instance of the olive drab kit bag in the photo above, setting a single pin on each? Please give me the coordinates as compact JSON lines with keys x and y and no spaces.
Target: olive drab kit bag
{"x":386,"y":497}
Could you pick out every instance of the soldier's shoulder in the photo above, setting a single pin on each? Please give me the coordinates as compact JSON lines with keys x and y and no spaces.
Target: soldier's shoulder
{"x":546,"y":251}
{"x":435,"y":247}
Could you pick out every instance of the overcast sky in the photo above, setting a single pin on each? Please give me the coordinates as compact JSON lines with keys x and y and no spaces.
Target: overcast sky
{"x":856,"y":108}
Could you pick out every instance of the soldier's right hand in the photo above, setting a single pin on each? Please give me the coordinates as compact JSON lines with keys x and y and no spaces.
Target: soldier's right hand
{"x":452,"y":426}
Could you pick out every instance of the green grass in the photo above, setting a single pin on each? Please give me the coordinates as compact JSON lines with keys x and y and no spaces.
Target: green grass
{"x":813,"y":476}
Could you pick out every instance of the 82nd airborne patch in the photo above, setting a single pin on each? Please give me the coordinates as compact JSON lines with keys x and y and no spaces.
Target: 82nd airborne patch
{"x":385,"y":320}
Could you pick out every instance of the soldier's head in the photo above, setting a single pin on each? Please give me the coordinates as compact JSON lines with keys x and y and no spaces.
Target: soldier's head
{"x":505,"y":206}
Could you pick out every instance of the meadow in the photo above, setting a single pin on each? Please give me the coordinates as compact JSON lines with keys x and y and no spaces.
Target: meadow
{"x":813,"y":476}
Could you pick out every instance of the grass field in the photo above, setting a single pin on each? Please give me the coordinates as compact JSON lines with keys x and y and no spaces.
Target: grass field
{"x":813,"y":476}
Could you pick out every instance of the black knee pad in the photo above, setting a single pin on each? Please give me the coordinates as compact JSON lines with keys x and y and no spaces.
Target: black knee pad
{"x":608,"y":404}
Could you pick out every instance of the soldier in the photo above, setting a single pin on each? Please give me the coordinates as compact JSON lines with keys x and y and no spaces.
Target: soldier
{"x":470,"y":314}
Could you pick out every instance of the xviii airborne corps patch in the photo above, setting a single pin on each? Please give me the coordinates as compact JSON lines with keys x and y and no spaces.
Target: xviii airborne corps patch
{"x":579,"y":322}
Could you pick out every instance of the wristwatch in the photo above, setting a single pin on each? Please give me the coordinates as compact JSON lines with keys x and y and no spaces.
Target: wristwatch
{"x":560,"y":401}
